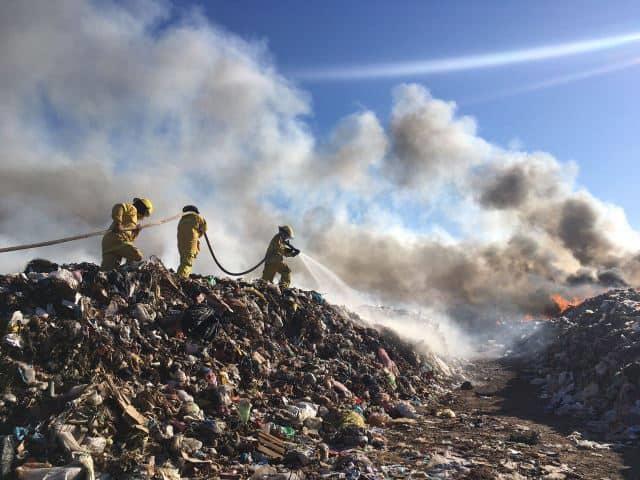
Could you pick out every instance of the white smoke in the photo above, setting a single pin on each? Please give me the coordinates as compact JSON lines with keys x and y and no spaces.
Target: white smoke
{"x":104,"y":101}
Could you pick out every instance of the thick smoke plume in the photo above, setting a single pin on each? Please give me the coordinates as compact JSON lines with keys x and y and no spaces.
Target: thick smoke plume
{"x":103,"y":102}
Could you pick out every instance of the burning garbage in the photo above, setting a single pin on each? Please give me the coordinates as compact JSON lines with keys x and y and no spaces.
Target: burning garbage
{"x":589,"y":365}
{"x":135,"y":373}
{"x":563,"y":304}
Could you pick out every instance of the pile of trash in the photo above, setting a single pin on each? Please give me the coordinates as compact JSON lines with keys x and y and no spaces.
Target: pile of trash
{"x":590,"y":364}
{"x":134,"y":373}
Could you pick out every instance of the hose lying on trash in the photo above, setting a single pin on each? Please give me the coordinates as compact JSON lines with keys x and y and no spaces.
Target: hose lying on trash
{"x":238,"y":274}
{"x":86,"y":235}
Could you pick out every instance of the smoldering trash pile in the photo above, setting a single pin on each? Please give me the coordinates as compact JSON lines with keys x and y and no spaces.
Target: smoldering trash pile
{"x":590,"y":364}
{"x":136,"y":374}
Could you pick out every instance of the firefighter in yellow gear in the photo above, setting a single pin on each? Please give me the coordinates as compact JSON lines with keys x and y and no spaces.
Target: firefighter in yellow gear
{"x":117,"y":243}
{"x":278,"y":249}
{"x":190,"y":228}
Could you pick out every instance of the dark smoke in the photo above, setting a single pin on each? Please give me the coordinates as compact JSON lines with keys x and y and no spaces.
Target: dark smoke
{"x":470,"y":282}
{"x":607,"y":279}
{"x":429,"y":144}
{"x":612,"y":279}
{"x":506,"y":191}
{"x":103,"y":101}
{"x":579,"y":232}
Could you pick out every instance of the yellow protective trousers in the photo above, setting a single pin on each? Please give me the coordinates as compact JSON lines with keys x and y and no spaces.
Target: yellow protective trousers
{"x":270,"y":270}
{"x":190,"y":228}
{"x":114,"y":249}
{"x":186,"y":264}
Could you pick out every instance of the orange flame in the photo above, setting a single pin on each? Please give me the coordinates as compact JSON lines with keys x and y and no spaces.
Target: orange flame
{"x":564,"y":304}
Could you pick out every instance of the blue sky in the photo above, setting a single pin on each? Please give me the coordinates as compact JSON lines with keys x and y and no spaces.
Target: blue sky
{"x":120,"y":98}
{"x":592,"y":121}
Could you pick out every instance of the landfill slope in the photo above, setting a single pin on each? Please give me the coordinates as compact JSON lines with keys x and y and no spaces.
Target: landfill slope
{"x":135,"y":373}
{"x":587,"y":364}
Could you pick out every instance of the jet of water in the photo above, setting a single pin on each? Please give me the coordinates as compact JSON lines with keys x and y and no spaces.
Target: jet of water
{"x":331,"y":285}
{"x":436,"y":331}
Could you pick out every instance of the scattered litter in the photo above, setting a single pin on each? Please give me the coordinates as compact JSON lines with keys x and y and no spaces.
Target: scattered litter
{"x":134,"y":373}
{"x":589,"y":366}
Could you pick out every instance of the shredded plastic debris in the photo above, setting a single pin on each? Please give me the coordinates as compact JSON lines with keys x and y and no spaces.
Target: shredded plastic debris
{"x":137,"y":374}
{"x":588,"y":364}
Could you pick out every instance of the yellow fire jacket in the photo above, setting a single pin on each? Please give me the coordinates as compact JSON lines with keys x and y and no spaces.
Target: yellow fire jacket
{"x":190,"y":228}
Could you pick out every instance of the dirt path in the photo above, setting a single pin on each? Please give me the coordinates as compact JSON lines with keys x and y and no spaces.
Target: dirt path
{"x":500,"y":431}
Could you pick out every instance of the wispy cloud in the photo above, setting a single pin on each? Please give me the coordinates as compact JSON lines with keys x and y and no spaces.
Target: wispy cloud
{"x":471,"y":62}
{"x":100,"y":105}
{"x":556,"y":81}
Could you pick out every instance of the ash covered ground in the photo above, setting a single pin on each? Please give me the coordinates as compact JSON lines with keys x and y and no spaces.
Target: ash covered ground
{"x":137,"y":374}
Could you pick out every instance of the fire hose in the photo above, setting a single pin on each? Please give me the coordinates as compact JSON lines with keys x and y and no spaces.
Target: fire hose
{"x":83,"y":236}
{"x":234,"y":274}
{"x":47,"y":243}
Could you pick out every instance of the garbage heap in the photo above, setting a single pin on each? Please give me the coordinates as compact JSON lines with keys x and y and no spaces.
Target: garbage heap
{"x":590,"y":364}
{"x":135,"y":373}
